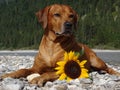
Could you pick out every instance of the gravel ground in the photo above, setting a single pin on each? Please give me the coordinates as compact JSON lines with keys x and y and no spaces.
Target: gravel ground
{"x":95,"y":82}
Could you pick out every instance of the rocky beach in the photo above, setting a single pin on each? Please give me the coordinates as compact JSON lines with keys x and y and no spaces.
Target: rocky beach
{"x":97,"y":81}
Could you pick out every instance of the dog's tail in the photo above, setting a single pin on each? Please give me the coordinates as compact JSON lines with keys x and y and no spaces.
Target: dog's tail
{"x":112,"y":71}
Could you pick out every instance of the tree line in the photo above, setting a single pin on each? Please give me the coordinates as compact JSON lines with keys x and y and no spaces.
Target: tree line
{"x":98,"y":24}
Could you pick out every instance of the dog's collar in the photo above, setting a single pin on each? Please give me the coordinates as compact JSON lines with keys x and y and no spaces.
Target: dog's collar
{"x":82,"y":51}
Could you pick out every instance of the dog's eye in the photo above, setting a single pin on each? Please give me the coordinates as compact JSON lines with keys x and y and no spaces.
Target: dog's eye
{"x":71,"y":16}
{"x":57,"y":14}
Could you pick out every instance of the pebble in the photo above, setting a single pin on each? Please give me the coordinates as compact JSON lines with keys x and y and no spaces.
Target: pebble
{"x":49,"y":84}
{"x":11,"y":87}
{"x":73,"y":87}
{"x":11,"y":84}
{"x":95,"y":82}
{"x":86,"y":81}
{"x":59,"y":87}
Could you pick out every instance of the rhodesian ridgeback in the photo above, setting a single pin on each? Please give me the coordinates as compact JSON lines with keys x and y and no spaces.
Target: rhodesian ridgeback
{"x":59,"y":23}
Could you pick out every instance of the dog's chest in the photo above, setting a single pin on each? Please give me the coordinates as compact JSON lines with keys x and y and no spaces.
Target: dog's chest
{"x":52,"y":54}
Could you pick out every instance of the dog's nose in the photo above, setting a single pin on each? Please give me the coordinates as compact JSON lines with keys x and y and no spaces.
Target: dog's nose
{"x":68,"y":24}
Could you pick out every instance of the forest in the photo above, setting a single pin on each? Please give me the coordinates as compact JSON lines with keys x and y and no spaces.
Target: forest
{"x":98,"y":24}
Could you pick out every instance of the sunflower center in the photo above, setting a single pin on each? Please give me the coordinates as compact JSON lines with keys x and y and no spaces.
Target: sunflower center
{"x":72,"y":69}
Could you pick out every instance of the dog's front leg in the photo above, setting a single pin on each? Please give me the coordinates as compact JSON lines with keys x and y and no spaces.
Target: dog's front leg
{"x":18,"y":74}
{"x":48,"y":76}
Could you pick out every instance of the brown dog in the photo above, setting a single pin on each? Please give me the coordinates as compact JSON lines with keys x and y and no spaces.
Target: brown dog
{"x":59,"y":21}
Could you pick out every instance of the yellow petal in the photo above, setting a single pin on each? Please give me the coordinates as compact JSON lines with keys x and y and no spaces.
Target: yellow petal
{"x":58,"y":68}
{"x":60,"y":72}
{"x":68,"y":79}
{"x":84,"y":73}
{"x":63,"y":76}
{"x":81,"y":66}
{"x":75,"y":57}
{"x":61,"y":63}
{"x":83,"y":62}
{"x":71,"y":55}
{"x":66,"y":57}
{"x":84,"y":70}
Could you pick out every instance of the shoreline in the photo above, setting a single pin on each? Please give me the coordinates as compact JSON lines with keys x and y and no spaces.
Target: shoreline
{"x":108,"y":56}
{"x":20,"y":51}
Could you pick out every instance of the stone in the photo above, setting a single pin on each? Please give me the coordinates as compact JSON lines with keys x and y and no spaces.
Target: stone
{"x":49,"y":84}
{"x":115,"y":78}
{"x":59,"y":82}
{"x":59,"y":87}
{"x":96,"y":81}
{"x":30,"y":87}
{"x":85,"y":81}
{"x":74,"y":82}
{"x":73,"y":87}
{"x":2,"y":69}
{"x":12,"y":87}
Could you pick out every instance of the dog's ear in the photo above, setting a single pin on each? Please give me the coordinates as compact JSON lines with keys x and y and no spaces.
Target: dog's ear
{"x":75,"y":20}
{"x":42,"y":16}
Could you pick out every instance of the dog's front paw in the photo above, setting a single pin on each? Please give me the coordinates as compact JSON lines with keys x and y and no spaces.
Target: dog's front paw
{"x":37,"y":80}
{"x":32,"y":76}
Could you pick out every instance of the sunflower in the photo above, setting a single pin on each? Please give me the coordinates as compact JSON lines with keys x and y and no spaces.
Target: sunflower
{"x":71,"y":68}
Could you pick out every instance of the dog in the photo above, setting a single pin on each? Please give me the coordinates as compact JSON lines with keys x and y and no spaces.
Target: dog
{"x":59,"y":23}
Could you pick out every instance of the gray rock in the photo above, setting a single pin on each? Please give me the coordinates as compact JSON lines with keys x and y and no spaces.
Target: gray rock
{"x":12,"y":87}
{"x":85,"y":81}
{"x":2,"y":68}
{"x":117,"y":86}
{"x":49,"y":84}
{"x":59,"y":87}
{"x":75,"y":82}
{"x":11,"y":84}
{"x":95,"y":82}
{"x":59,"y":82}
{"x":115,"y":78}
{"x":73,"y":87}
{"x":30,"y":87}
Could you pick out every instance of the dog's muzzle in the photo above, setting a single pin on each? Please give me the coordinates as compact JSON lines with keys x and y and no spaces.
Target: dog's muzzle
{"x":67,"y":29}
{"x":68,"y":25}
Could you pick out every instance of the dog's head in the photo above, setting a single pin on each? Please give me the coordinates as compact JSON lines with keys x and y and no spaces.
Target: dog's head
{"x":61,"y":19}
